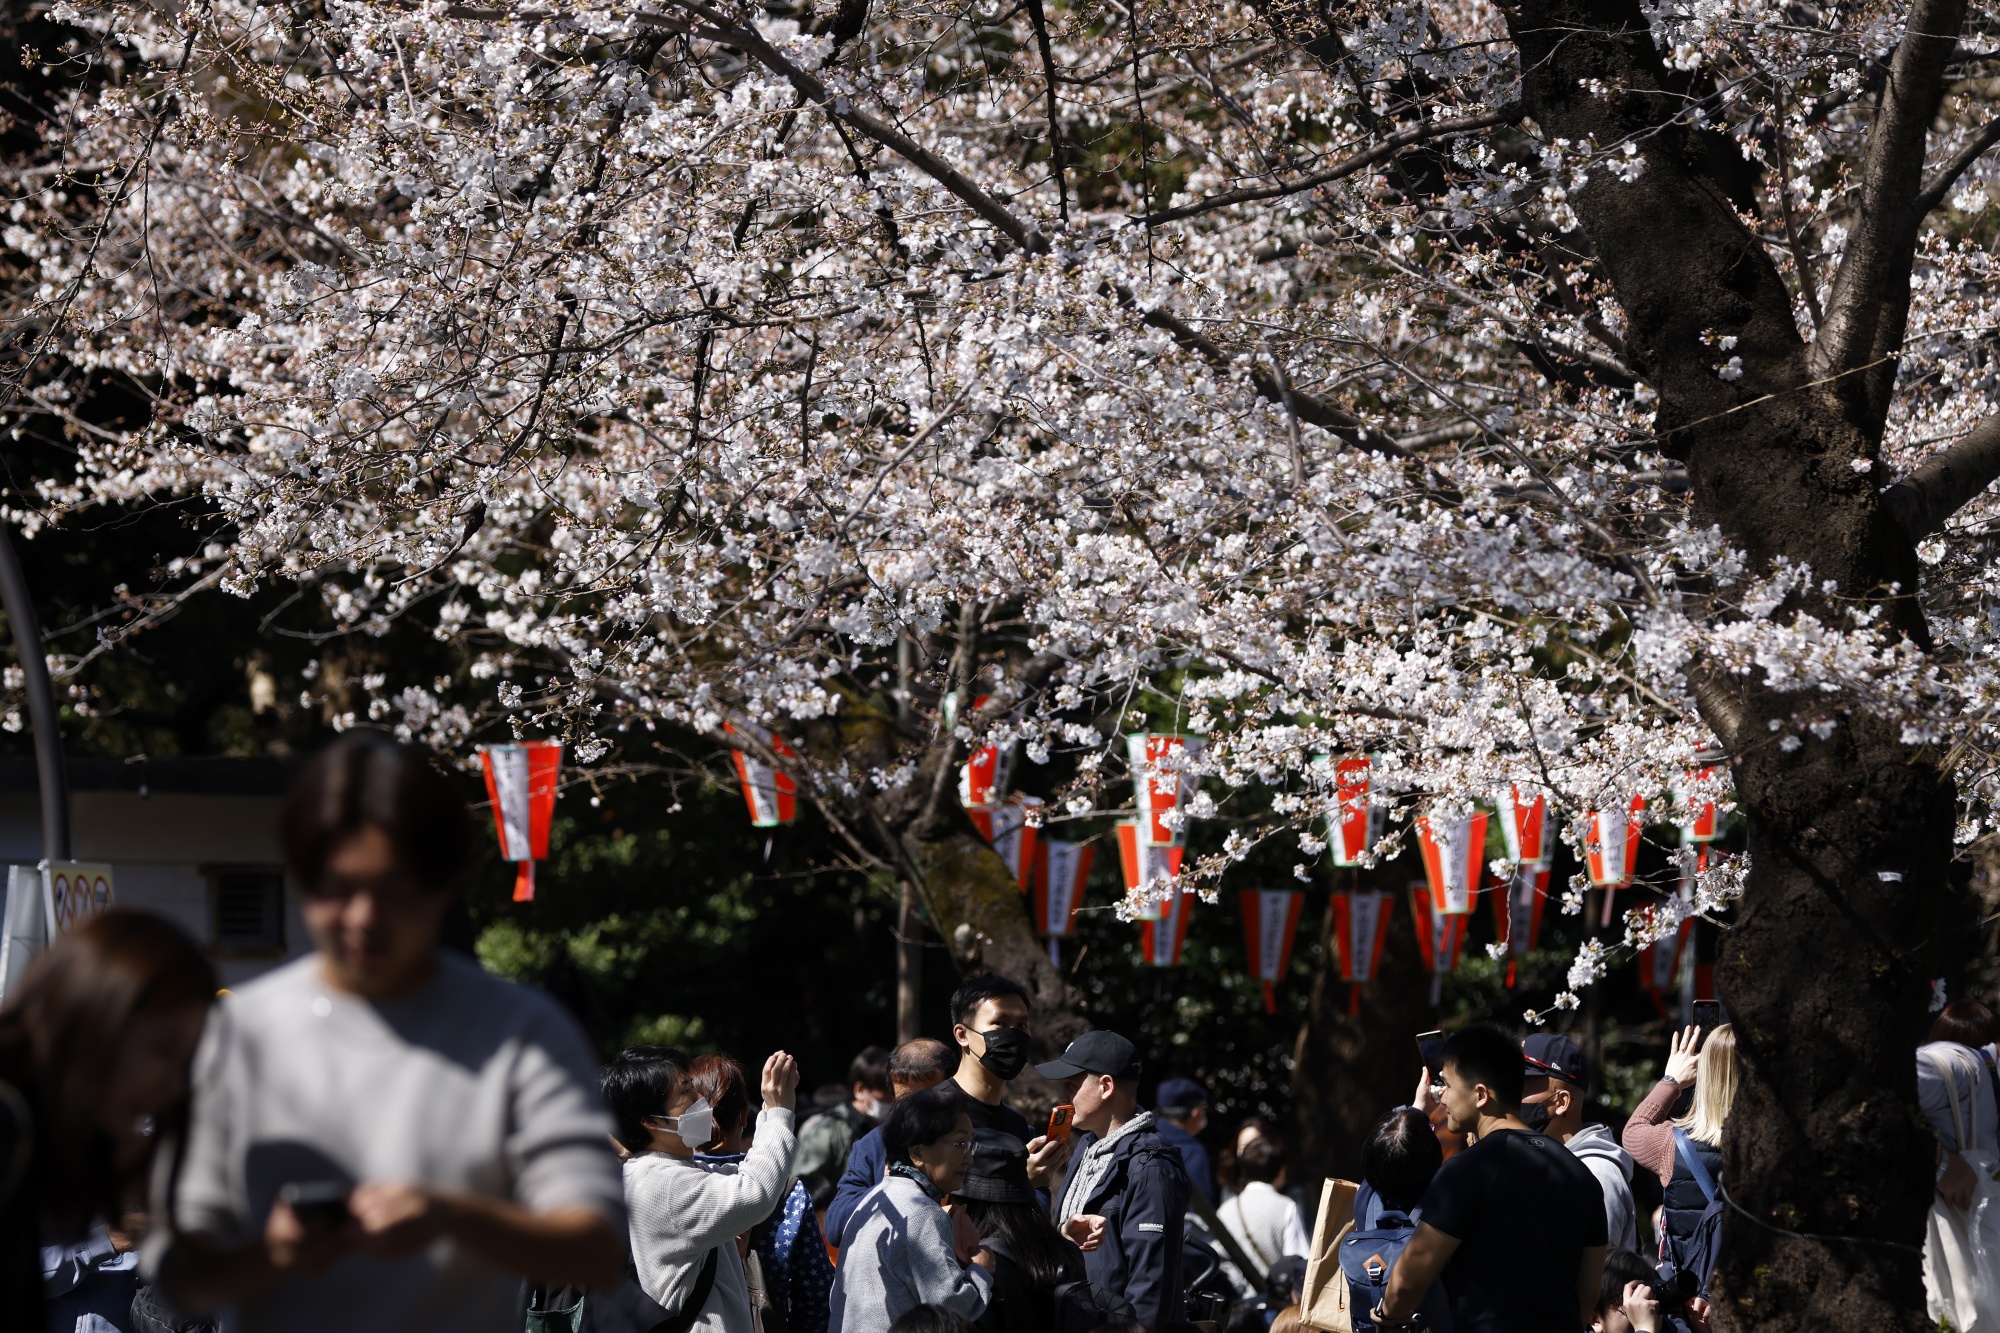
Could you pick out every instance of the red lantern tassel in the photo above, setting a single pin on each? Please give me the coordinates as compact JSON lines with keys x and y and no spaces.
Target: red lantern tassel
{"x":524,"y":882}
{"x":1270,"y":998}
{"x":1354,"y":1000}
{"x":1510,"y":974}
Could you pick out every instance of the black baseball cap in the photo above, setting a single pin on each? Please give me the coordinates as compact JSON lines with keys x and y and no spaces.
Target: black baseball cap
{"x":1180,"y":1096}
{"x":1095,"y":1052}
{"x":1555,"y":1055}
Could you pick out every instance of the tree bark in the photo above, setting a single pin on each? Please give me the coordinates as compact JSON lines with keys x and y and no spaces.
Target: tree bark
{"x":1349,"y":1069}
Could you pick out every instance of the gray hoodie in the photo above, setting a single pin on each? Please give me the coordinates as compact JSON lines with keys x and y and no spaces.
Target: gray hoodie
{"x":1612,"y":1166}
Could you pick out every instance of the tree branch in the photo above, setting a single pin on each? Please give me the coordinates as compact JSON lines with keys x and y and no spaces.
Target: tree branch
{"x":1387,"y":148}
{"x":1947,"y":175}
{"x":1921,"y":502}
{"x":1863,"y":306}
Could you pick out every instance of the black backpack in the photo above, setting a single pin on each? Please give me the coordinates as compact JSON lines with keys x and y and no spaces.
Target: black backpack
{"x":1686,"y":1261}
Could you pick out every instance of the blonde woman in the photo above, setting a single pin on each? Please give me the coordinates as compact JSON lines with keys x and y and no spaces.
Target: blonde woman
{"x":1686,"y":1152}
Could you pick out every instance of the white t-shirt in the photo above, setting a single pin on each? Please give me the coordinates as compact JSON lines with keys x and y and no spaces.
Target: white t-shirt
{"x":470,"y":1083}
{"x":1265,"y":1223}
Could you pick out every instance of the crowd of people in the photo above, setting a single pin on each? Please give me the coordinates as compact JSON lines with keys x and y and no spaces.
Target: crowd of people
{"x":382,"y":1135}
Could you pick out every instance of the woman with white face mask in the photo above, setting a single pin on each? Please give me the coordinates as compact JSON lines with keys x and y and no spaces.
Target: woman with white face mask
{"x":685,"y":1217}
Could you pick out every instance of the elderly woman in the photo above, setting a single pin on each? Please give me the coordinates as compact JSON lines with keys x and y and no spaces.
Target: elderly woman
{"x":899,"y":1250}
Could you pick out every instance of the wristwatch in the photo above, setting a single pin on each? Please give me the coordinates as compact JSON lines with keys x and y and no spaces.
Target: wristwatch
{"x":1381,"y":1320}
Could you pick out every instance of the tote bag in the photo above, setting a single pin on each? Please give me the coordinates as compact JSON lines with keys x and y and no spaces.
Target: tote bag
{"x":1962,"y":1249}
{"x":1324,"y":1303}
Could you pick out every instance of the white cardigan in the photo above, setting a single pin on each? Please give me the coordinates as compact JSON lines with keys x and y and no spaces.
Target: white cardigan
{"x":680,"y":1210}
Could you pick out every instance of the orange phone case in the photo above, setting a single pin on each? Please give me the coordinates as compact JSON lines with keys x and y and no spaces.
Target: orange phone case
{"x":1059,"y":1119}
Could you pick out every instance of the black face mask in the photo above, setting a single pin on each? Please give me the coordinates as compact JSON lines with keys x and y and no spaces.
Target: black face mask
{"x":1535,"y":1115}
{"x":1006,"y":1052}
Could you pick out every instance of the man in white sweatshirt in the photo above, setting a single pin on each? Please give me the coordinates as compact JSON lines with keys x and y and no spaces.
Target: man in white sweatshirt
{"x":1552,"y":1093}
{"x":685,"y":1216}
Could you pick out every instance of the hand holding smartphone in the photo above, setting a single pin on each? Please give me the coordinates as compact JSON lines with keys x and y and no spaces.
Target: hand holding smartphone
{"x":319,"y":1204}
{"x":1430,"y":1046}
{"x":1707,"y":1018}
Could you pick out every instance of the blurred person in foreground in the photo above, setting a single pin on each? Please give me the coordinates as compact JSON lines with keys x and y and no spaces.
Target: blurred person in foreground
{"x":1514,"y":1223}
{"x":1122,"y":1171}
{"x":686,"y":1213}
{"x":94,"y":1054}
{"x":915,"y":1065}
{"x":792,"y":1274}
{"x":439,"y":1127}
{"x":1556,"y":1074}
{"x":826,"y":1139}
{"x":903,"y":1249}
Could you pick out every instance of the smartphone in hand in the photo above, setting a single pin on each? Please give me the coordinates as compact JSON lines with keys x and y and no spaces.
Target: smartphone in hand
{"x":318,"y":1203}
{"x":1707,"y":1017}
{"x":1430,"y":1046}
{"x":1059,"y":1122}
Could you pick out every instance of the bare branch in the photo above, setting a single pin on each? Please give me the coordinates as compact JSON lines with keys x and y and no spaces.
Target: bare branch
{"x":1947,"y":175}
{"x":1922,"y":501}
{"x":1024,"y":234}
{"x":1881,"y":242}
{"x":1387,"y":148}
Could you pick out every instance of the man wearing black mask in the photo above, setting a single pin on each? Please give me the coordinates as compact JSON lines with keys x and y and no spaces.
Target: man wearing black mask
{"x":989,"y":1017}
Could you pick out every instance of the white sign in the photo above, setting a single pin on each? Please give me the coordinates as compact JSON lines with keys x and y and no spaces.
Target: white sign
{"x":72,"y":893}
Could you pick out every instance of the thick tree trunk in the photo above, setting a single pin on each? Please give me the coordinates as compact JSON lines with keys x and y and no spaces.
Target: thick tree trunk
{"x":1349,"y":1069}
{"x":1853,"y":906}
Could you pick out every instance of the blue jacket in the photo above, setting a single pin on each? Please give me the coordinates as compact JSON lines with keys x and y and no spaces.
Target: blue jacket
{"x":866,"y":1162}
{"x":1144,"y":1201}
{"x":1193,"y":1156}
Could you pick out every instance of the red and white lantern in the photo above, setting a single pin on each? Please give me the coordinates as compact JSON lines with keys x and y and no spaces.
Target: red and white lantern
{"x":1009,"y":829}
{"x":1355,"y":823}
{"x":1525,"y":823}
{"x":1454,"y":859}
{"x":1150,"y":872}
{"x":1611,"y":849}
{"x":1062,"y":869}
{"x":1704,"y":823}
{"x":1162,"y":783}
{"x":982,"y":783}
{"x":1440,"y":938}
{"x":1270,"y":921}
{"x":521,"y":783}
{"x":1360,"y":930}
{"x":1517,"y":914}
{"x":770,"y":793}
{"x":1161,"y":940}
{"x":1611,"y":844}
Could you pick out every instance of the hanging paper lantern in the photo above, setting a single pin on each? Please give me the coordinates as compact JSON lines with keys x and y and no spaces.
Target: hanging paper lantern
{"x":1611,"y":844}
{"x":1161,"y":940}
{"x":1061,"y":871}
{"x":1440,"y":937}
{"x":1161,"y":782}
{"x":770,"y":794}
{"x":1454,"y":859}
{"x":1148,"y":871}
{"x":1611,"y":849}
{"x":1007,"y":827}
{"x":1704,"y":824}
{"x":1517,"y":914}
{"x":1355,"y":823}
{"x":982,"y":782}
{"x":1270,"y":920}
{"x":1525,"y":822}
{"x":1360,"y":929}
{"x":521,"y":783}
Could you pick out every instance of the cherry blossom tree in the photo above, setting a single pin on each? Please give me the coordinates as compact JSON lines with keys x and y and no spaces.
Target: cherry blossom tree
{"x":1558,"y":392}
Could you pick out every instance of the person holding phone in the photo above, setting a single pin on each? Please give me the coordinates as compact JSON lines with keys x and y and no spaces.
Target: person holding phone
{"x":1685,"y":1152}
{"x":448,"y":1123}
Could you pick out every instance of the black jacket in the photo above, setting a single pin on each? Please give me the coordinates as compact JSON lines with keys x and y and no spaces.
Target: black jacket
{"x":1144,"y":1201}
